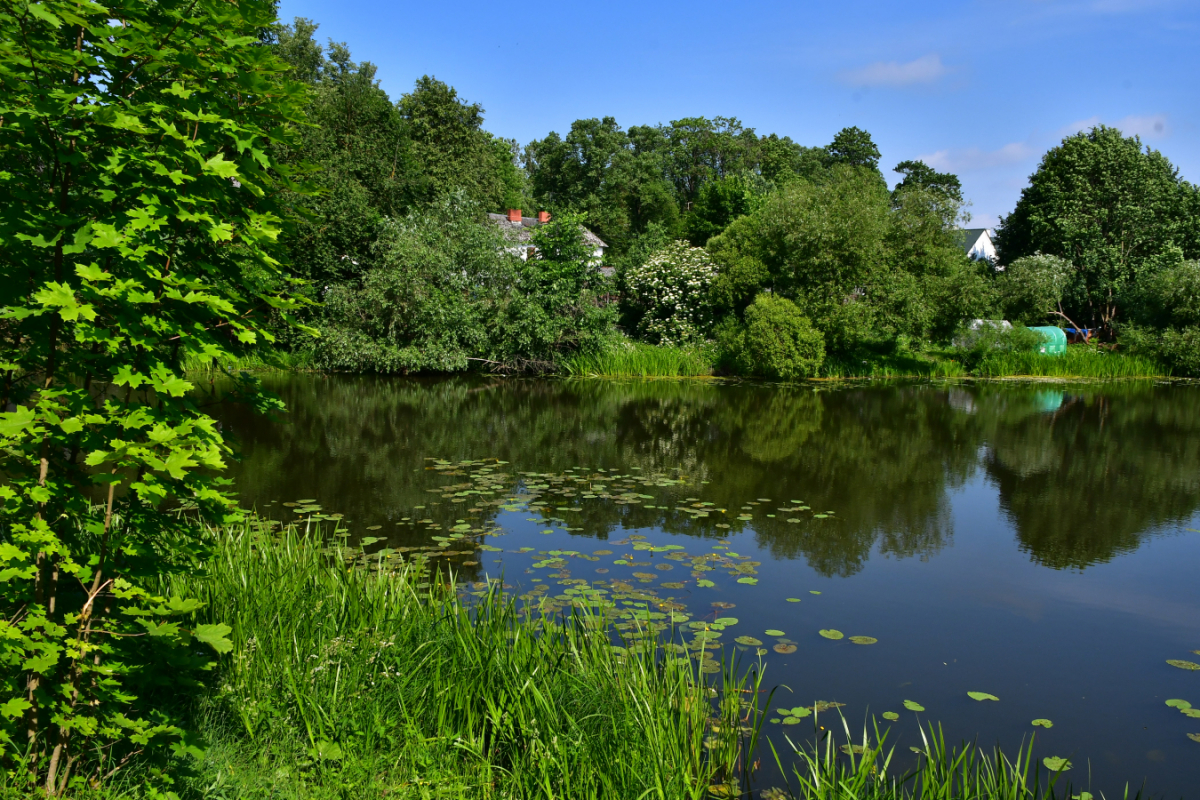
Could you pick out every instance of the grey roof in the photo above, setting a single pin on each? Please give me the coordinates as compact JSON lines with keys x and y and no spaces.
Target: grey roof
{"x":522,"y":231}
{"x":969,"y":236}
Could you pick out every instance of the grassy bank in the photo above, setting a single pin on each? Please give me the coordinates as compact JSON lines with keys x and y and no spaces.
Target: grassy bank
{"x":350,"y":678}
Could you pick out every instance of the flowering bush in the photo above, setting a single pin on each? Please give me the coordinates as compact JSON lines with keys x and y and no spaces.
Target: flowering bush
{"x":669,"y":294}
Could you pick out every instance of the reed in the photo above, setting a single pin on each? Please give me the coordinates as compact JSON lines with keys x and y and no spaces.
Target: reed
{"x":384,"y":679}
{"x":627,"y":359}
{"x":1079,"y":361}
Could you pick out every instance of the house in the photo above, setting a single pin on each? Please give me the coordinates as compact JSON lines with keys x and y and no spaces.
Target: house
{"x":977,"y":244}
{"x":518,"y":230}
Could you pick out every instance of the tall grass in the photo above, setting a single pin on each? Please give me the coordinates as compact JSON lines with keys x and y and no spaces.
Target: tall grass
{"x":356,"y":676}
{"x":627,"y":359}
{"x":1080,"y":361}
{"x":344,"y":676}
{"x":897,"y":365}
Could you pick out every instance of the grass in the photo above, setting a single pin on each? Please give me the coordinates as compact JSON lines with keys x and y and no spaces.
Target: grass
{"x":628,"y":359}
{"x":893,"y":365}
{"x":356,"y":676}
{"x":1080,"y":361}
{"x":348,"y":680}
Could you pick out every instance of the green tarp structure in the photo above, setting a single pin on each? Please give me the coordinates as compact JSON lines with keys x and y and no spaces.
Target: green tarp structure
{"x":1054,"y":340}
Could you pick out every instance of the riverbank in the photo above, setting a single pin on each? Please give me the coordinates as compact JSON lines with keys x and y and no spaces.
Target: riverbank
{"x":355,"y":675}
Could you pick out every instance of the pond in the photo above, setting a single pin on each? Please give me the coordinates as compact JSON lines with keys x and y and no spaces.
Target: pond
{"x":1035,"y":542}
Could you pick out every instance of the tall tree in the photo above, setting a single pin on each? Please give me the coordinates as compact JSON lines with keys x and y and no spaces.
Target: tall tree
{"x":854,"y":147}
{"x":1109,"y":207}
{"x":138,"y":196}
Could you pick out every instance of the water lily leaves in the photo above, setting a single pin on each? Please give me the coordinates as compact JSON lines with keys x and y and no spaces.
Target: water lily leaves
{"x":749,"y":641}
{"x":793,"y":599}
{"x":813,"y":591}
{"x":1195,"y":737}
{"x":1194,"y":713}
{"x":710,"y":667}
{"x":784,"y":648}
{"x":773,"y":632}
{"x":856,"y":749}
{"x":981,"y":696}
{"x":913,"y":705}
{"x":726,"y":620}
{"x":1174,"y":662}
{"x":830,"y":633}
{"x":753,"y":581}
{"x":791,"y":720}
{"x":891,"y":716}
{"x":705,"y":584}
{"x":1180,"y":704}
{"x":1056,"y":764}
{"x":863,"y":639}
{"x":1043,"y":723}
{"x":821,"y":706}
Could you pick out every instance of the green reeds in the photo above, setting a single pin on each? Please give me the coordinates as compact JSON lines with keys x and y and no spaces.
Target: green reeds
{"x":383,"y":678}
{"x":865,"y":768}
{"x":1080,"y":361}
{"x":629,"y":359}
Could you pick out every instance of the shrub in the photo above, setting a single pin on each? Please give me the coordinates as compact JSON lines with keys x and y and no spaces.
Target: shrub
{"x":991,"y":340}
{"x":776,"y":341}
{"x":1031,"y":288}
{"x":669,"y":294}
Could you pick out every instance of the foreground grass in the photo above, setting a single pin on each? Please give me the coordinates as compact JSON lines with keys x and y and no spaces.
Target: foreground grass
{"x":353,"y":678}
{"x":352,"y":681}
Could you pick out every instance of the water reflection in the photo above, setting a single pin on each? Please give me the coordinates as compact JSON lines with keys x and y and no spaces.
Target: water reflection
{"x":1083,"y":473}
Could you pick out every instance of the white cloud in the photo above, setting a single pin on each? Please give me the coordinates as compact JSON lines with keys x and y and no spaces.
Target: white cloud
{"x":970,"y":159}
{"x":925,"y":69}
{"x":1150,"y":126}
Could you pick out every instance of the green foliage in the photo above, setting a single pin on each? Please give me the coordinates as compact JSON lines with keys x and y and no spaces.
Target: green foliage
{"x":853,"y":147}
{"x":669,"y":294}
{"x":989,"y":340}
{"x":442,"y":292}
{"x":776,"y":341}
{"x":1109,"y":207}
{"x":139,"y":230}
{"x":919,"y":175}
{"x":1031,"y":288}
{"x":438,"y":279}
{"x":1080,"y":361}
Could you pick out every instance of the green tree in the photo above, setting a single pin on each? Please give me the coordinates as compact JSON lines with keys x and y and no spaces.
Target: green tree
{"x":1108,"y":206}
{"x":138,"y":228}
{"x":1031,"y":288}
{"x":449,"y":147}
{"x":919,"y":175}
{"x":853,"y":147}
{"x":776,"y":341}
{"x":669,"y":295}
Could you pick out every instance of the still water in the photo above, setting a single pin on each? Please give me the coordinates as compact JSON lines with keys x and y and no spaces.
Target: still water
{"x":1036,"y":542}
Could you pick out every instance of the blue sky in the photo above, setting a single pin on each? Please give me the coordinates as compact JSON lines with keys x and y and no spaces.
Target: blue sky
{"x":979,"y":88}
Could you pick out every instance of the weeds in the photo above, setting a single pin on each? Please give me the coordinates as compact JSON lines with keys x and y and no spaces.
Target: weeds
{"x":627,"y":359}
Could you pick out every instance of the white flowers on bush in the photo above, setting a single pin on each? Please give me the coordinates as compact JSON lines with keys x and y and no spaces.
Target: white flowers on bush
{"x":671,"y":289}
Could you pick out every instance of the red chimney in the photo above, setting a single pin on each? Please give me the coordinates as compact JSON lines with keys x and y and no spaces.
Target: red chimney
{"x":514,"y":215}
{"x":543,"y":217}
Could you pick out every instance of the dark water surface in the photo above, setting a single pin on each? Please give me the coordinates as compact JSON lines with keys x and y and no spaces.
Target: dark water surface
{"x":1036,"y":542}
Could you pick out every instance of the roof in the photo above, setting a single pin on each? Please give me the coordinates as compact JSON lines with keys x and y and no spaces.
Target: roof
{"x":971,"y":236}
{"x":522,"y":231}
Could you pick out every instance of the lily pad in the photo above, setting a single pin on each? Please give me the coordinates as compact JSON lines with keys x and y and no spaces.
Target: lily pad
{"x":791,"y":720}
{"x":1180,"y":704}
{"x":981,"y":696}
{"x":753,"y":581}
{"x":1194,"y":713}
{"x":773,"y":632}
{"x":1056,"y":764}
{"x":856,"y":749}
{"x":749,"y":641}
{"x":793,"y":599}
{"x":1174,"y":662}
{"x":784,"y":648}
{"x":832,"y":634}
{"x":863,"y":639}
{"x":1195,"y":737}
{"x":1043,"y":723}
{"x":705,"y":584}
{"x":892,"y":716}
{"x":726,"y":620}
{"x":913,"y":705}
